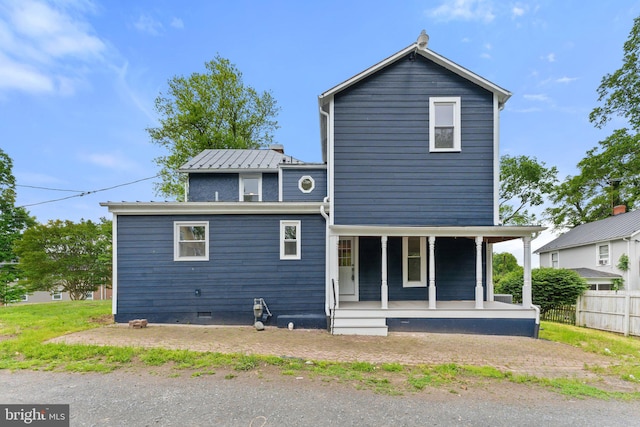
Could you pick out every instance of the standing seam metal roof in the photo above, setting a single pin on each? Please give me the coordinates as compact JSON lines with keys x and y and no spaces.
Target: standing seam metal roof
{"x":237,"y":159}
{"x":614,"y":227}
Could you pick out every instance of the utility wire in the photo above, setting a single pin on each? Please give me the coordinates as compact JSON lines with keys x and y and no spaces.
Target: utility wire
{"x":50,"y":189}
{"x":86,"y":193}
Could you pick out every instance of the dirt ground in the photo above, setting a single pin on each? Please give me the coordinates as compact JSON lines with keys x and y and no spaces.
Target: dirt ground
{"x":518,"y":355}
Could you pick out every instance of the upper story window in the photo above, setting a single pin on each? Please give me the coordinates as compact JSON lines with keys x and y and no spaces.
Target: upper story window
{"x":555,"y":258}
{"x":444,"y":124}
{"x":289,"y":239}
{"x":414,"y":260}
{"x":251,"y":188}
{"x":191,"y":241}
{"x":306,"y":184}
{"x":603,"y":254}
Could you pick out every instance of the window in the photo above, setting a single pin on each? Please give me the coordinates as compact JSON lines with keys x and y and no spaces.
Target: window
{"x":191,"y":241}
{"x":414,"y":262}
{"x":24,"y":298}
{"x":56,"y":295}
{"x":88,"y":296}
{"x":444,"y":124}
{"x":554,"y":260}
{"x":251,"y":188}
{"x":289,"y":239}
{"x":603,"y":254}
{"x":306,"y":184}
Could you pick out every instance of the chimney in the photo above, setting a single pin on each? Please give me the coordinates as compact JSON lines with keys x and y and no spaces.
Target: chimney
{"x":277,"y":147}
{"x":620,"y":209}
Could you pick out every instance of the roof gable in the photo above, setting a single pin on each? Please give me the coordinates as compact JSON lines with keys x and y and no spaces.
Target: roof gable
{"x":234,"y":160}
{"x":612,"y":228}
{"x":503,"y":94}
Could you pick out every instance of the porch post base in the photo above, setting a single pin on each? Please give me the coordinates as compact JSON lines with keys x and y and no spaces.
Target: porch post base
{"x":432,"y":297}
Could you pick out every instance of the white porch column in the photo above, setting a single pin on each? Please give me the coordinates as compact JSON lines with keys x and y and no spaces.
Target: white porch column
{"x":335,"y":271}
{"x":526,"y":287}
{"x":479,"y":290}
{"x":384,"y":289}
{"x":432,"y":272}
{"x":489,"y":258}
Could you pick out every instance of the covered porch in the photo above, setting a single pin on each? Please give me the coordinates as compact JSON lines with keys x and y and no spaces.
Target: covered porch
{"x":423,"y":278}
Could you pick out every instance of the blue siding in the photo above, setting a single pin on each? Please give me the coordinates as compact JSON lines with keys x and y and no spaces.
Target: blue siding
{"x":244,"y":264}
{"x":384,"y":172}
{"x":455,"y":270}
{"x":291,"y":192}
{"x":203,"y":187}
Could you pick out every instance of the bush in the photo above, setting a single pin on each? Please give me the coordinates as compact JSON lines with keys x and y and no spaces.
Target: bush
{"x":550,"y":287}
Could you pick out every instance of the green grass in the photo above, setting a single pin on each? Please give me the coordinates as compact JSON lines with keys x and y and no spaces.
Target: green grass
{"x":24,"y":330}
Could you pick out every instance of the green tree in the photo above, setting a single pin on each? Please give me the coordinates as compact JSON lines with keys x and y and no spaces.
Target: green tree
{"x":13,"y":221}
{"x":609,"y":175}
{"x":211,"y":110}
{"x":66,"y":256}
{"x":503,"y":264}
{"x":619,"y":92}
{"x":524,"y":182}
{"x":550,"y":287}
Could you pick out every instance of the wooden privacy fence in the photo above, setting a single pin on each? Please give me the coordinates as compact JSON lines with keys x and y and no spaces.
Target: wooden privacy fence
{"x":615,"y":311}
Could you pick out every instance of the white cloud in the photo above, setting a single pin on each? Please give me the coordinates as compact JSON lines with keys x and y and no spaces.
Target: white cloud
{"x":485,"y":55}
{"x":550,"y":57}
{"x":463,"y":10}
{"x":177,"y":23}
{"x":517,"y":11}
{"x":566,"y":79}
{"x":43,"y":46}
{"x":115,"y":161}
{"x":540,"y":97}
{"x":146,"y":24}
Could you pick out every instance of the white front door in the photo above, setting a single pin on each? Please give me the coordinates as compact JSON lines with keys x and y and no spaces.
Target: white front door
{"x":347,"y":266}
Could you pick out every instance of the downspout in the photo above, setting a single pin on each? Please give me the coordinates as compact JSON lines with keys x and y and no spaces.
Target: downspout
{"x":327,"y":253}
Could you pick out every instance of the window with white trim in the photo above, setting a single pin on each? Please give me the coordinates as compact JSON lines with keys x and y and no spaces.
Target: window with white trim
{"x":56,"y":295}
{"x":24,"y":298}
{"x":555,"y":257}
{"x":88,"y":296}
{"x":191,"y":241}
{"x":306,"y":184}
{"x":444,"y":124}
{"x":603,"y":254}
{"x":251,"y":188}
{"x":289,"y":239}
{"x":414,"y":262}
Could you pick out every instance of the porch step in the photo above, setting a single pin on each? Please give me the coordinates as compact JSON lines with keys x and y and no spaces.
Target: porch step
{"x":359,"y":325}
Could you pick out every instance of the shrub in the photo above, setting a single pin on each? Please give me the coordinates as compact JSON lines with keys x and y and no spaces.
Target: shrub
{"x":550,"y":287}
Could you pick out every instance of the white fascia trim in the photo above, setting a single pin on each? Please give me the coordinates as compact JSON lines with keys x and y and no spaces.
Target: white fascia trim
{"x":114,"y":267}
{"x":496,"y":160}
{"x":212,"y":208}
{"x":503,"y":94}
{"x":247,"y":171}
{"x":487,"y":231}
{"x":319,"y":166}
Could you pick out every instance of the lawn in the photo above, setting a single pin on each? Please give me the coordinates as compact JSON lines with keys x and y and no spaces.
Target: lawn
{"x":24,"y":330}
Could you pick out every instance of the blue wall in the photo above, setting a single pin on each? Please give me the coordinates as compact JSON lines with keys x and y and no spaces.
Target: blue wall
{"x":384,"y":172}
{"x":244,"y":264}
{"x":203,"y":186}
{"x":291,"y":192}
{"x":455,"y":270}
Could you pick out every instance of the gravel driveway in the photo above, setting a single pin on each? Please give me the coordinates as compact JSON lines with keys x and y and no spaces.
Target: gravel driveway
{"x":518,"y":355}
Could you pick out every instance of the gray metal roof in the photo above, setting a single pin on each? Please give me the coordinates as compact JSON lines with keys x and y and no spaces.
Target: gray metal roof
{"x":227,"y":160}
{"x":589,"y":273}
{"x":612,"y":228}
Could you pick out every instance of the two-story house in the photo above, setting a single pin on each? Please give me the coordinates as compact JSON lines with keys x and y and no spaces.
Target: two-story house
{"x":392,"y":231}
{"x":595,"y":251}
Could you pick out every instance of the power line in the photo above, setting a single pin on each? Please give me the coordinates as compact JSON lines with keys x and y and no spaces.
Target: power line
{"x":86,"y":193}
{"x":50,"y":189}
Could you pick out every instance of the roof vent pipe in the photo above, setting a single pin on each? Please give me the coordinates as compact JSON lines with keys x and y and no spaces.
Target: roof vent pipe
{"x":423,"y":40}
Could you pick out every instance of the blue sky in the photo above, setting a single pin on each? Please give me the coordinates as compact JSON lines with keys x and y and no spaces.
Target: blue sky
{"x":78,"y":78}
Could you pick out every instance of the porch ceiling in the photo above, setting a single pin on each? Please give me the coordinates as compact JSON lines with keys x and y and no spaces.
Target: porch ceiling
{"x":491,"y":234}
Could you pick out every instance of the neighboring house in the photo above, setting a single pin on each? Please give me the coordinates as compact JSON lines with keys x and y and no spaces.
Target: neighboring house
{"x":43,"y":296}
{"x":393,"y":230}
{"x":594,"y":250}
